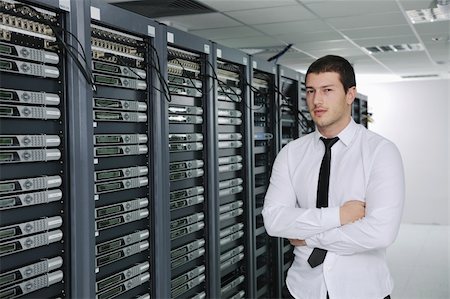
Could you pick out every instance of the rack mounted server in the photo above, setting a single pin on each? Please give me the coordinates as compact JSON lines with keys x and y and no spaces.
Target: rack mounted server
{"x":187,"y":115}
{"x":33,"y":152}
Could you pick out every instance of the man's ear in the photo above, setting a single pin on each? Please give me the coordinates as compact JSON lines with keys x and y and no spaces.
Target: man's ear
{"x":351,"y":95}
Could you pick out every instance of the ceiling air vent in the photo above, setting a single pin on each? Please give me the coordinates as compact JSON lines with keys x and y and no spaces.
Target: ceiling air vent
{"x":165,"y":8}
{"x":394,"y":48}
{"x":420,"y":76}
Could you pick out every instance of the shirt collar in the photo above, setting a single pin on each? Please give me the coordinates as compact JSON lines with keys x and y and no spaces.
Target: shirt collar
{"x":346,"y":135}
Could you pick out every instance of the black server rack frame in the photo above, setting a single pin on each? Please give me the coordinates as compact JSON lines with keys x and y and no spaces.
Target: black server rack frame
{"x":123,"y":104}
{"x":232,"y":98}
{"x":81,"y":174}
{"x":289,"y":90}
{"x":264,"y":148}
{"x":189,"y":126}
{"x":35,"y":125}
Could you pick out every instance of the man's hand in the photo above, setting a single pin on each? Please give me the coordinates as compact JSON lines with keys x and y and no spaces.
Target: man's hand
{"x":351,"y":211}
{"x":297,"y":242}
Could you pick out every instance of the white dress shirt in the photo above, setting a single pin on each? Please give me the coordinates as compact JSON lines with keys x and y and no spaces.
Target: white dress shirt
{"x":364,"y":166}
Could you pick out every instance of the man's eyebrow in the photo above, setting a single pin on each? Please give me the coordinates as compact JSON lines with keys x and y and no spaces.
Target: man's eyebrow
{"x":324,"y":86}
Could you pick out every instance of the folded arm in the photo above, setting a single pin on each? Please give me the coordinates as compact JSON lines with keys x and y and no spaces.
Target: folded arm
{"x":282,"y":217}
{"x":384,"y":204}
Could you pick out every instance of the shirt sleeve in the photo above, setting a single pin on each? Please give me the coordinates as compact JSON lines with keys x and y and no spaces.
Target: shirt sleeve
{"x":384,"y":205}
{"x":282,"y":216}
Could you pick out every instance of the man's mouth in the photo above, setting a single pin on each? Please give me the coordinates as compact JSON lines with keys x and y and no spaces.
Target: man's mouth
{"x":319,"y":112}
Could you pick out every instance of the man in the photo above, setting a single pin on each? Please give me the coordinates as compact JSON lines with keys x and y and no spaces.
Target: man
{"x":338,"y":200}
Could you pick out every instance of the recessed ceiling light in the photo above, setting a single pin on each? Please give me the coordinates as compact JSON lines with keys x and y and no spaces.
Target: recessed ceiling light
{"x":420,"y":76}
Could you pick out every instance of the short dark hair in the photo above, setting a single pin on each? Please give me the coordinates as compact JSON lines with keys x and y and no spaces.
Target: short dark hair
{"x":337,"y":64}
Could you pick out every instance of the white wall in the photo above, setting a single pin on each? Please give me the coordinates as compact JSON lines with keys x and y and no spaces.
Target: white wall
{"x":415,"y":116}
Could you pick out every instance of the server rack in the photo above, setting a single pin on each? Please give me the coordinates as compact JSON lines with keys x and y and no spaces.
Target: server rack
{"x":122,"y":72}
{"x":360,"y":111}
{"x":233,"y":214}
{"x":288,"y":91}
{"x":306,"y":124}
{"x":288,"y":88}
{"x":364,"y":111}
{"x":356,"y":109}
{"x":34,"y":188}
{"x":190,"y":126}
{"x":264,"y":131}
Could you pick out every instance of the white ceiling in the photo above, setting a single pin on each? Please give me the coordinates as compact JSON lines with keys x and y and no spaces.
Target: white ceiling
{"x":317,"y":28}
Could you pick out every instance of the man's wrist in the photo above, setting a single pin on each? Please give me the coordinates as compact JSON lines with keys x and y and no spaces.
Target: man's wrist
{"x":332,"y":217}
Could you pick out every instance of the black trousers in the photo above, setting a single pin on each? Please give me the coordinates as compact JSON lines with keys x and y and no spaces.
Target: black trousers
{"x":287,"y":295}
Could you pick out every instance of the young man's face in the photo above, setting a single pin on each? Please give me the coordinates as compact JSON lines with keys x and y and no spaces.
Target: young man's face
{"x":328,"y":103}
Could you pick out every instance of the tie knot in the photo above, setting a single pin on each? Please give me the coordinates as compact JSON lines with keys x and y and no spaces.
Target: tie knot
{"x":329,"y":142}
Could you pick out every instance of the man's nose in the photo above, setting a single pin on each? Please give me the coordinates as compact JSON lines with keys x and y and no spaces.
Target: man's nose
{"x":317,"y":98}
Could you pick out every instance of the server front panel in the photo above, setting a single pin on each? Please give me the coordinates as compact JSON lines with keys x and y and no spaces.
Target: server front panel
{"x":231,"y":106}
{"x":305,"y":122}
{"x":122,"y":186}
{"x":264,"y":152}
{"x":289,"y":107}
{"x":187,"y":172}
{"x":33,"y":153}
{"x":364,"y":109}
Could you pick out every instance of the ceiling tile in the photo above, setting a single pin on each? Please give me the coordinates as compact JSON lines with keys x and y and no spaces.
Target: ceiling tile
{"x":344,"y":52}
{"x":440,"y":52}
{"x":228,"y":32}
{"x":293,"y":27}
{"x":313,"y":1}
{"x":202,"y":21}
{"x":377,"y":32}
{"x":416,"y":62}
{"x":371,"y":67}
{"x":237,"y":5}
{"x":442,"y":46}
{"x":351,"y":8}
{"x":415,"y":4}
{"x":396,"y":59}
{"x":327,"y":44}
{"x":294,"y":58}
{"x":368,"y":20}
{"x":250,"y":42}
{"x":272,"y":15}
{"x":441,"y":27}
{"x":290,"y":57}
{"x":300,"y":38}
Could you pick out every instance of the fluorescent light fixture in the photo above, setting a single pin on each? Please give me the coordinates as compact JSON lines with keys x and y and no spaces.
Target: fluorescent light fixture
{"x":394,"y":48}
{"x":429,"y":15}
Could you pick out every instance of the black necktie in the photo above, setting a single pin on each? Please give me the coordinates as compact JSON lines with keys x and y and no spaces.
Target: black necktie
{"x":318,"y":255}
